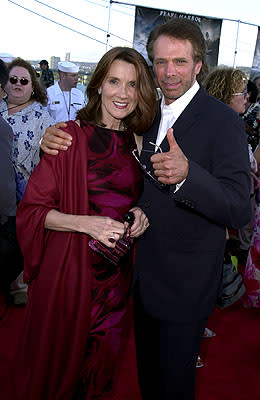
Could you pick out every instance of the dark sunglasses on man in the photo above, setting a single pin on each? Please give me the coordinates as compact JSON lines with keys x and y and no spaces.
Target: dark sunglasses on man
{"x":14,"y":79}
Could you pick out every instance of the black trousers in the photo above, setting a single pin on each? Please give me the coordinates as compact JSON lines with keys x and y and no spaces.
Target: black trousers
{"x":11,"y":259}
{"x":166,"y":355}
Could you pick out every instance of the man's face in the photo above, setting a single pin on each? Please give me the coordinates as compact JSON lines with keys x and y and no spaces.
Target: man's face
{"x":174,"y":66}
{"x":43,"y":67}
{"x":70,"y":79}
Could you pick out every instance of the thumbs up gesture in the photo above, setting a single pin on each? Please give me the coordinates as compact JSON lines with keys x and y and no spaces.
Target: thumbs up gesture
{"x":171,"y":167}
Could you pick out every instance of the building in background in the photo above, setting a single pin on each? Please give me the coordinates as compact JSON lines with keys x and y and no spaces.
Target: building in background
{"x":54,"y":62}
{"x":67,"y":57}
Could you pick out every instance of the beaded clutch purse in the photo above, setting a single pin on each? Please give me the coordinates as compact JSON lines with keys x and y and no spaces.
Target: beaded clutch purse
{"x":121,"y":248}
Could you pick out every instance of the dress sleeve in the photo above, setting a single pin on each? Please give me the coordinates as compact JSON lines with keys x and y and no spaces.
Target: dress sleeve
{"x":54,"y":184}
{"x":41,"y":196}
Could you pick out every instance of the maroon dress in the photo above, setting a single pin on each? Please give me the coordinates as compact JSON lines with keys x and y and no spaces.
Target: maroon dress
{"x":77,"y":313}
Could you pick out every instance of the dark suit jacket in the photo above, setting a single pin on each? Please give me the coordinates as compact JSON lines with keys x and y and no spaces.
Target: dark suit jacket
{"x":179,"y":259}
{"x":7,"y":176}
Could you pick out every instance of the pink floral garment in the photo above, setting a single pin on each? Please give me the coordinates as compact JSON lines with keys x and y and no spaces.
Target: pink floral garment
{"x":252,"y":271}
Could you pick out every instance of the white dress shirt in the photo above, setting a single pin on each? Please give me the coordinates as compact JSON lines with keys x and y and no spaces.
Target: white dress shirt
{"x":170,"y":113}
{"x":63,"y":105}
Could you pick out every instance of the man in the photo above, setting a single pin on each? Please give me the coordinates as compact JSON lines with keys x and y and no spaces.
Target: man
{"x":47,"y":77}
{"x":64,"y":100}
{"x":195,"y":186}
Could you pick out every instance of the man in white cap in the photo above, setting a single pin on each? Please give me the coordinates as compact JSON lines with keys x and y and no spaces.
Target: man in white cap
{"x":64,"y":100}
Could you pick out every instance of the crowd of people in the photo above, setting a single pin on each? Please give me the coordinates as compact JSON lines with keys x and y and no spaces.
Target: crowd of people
{"x":183,"y":165}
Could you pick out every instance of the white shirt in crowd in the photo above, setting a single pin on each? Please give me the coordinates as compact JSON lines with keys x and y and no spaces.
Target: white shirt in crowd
{"x":63,"y":105}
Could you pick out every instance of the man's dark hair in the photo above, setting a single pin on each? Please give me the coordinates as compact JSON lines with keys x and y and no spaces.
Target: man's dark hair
{"x":4,"y":74}
{"x":182,"y":29}
{"x":43,"y":62}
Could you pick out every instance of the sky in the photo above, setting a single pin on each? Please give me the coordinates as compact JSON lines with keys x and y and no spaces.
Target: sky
{"x":32,"y":37}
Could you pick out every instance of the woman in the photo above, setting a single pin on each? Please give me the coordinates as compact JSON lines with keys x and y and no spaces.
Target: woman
{"x":24,"y":111}
{"x":77,"y":314}
{"x":229,"y":86}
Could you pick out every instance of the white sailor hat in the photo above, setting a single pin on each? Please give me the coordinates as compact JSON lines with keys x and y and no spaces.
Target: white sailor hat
{"x":67,"y":66}
{"x":6,"y":57}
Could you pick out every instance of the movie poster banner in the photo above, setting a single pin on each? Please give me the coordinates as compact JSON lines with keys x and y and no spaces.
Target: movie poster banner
{"x":256,"y":60}
{"x":146,"y":19}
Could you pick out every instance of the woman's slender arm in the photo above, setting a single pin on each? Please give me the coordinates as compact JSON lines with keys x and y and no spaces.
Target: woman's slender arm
{"x":98,"y":227}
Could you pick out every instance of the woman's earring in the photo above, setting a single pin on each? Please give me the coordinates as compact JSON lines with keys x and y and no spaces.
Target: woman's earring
{"x":32,"y":93}
{"x":99,"y":91}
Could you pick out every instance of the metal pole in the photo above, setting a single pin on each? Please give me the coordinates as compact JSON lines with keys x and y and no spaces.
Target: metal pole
{"x":235,"y":54}
{"x":108,"y":24}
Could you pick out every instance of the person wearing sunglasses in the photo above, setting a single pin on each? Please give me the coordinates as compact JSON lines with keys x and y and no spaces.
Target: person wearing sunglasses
{"x":23,"y":109}
{"x":229,"y":85}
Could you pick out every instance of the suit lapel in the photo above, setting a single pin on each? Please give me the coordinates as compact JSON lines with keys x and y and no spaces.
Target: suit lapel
{"x":189,"y":116}
{"x":182,"y":128}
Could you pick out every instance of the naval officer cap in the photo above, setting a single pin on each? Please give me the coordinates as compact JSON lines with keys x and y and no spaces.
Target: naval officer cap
{"x":67,"y":66}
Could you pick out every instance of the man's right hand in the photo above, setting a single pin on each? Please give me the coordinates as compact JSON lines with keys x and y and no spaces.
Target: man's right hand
{"x":55,"y":139}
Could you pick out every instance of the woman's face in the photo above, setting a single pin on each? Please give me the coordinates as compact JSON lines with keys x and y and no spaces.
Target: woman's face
{"x":18,"y":93}
{"x":239,"y":100}
{"x":118,"y":93}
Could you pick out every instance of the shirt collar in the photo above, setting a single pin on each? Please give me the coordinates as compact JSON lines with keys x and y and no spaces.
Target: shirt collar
{"x":178,"y":106}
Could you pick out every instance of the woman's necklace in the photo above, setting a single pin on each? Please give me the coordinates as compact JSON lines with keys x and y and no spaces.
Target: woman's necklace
{"x":15,"y":106}
{"x":67,"y":106}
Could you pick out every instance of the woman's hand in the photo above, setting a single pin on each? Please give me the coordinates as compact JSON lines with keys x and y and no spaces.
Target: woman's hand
{"x":140,"y":224}
{"x":105,"y":229}
{"x":55,"y":139}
